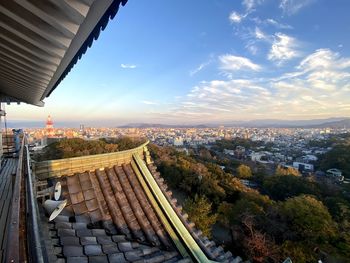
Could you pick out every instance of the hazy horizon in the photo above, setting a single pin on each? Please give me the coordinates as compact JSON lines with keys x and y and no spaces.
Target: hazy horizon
{"x":222,"y":61}
{"x":116,"y":124}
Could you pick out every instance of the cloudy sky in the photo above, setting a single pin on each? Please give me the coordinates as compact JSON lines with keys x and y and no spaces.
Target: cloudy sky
{"x":203,"y":61}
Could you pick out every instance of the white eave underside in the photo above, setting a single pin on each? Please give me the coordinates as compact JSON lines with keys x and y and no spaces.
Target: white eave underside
{"x":38,"y":40}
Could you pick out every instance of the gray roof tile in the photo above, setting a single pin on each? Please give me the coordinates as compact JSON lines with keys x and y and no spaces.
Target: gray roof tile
{"x":93,"y":250}
{"x":109,"y":227}
{"x":73,"y":251}
{"x":83,"y":218}
{"x":133,"y":255}
{"x":84,"y":233}
{"x":69,"y":241}
{"x":77,"y":259}
{"x":98,"y":259}
{"x":98,"y":232}
{"x":88,"y":240}
{"x":110,"y":248}
{"x":118,"y":238}
{"x":65,"y":232}
{"x":95,"y":215}
{"x":61,"y":218}
{"x":117,"y":257}
{"x":104,"y":240}
{"x":79,"y":225}
{"x":66,"y":225}
{"x":125,"y":246}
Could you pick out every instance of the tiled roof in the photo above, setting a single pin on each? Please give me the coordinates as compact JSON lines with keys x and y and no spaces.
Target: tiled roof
{"x":109,"y":218}
{"x":41,"y":41}
{"x":210,"y":249}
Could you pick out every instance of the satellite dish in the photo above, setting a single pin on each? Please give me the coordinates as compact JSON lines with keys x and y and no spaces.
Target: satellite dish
{"x":54,"y":208}
{"x":55,"y":190}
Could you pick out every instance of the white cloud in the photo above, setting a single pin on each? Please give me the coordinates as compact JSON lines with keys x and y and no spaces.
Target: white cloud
{"x":199,"y":68}
{"x":291,"y":7}
{"x":129,"y":66}
{"x":147,"y":102}
{"x":235,"y":17}
{"x":252,"y":48}
{"x":273,"y":22}
{"x":321,"y":58}
{"x":251,"y":4}
{"x":319,"y":87}
{"x":325,"y":70}
{"x":233,"y":63}
{"x":259,"y":34}
{"x":283,"y":48}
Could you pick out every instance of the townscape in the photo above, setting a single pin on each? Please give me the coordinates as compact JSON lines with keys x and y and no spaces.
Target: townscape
{"x":233,"y":181}
{"x":298,"y":148}
{"x":181,"y":131}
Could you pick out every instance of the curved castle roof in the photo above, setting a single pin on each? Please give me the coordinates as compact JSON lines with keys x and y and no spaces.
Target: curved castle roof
{"x":122,"y":212}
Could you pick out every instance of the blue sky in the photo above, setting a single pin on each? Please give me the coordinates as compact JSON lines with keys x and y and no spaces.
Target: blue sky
{"x":205,"y":61}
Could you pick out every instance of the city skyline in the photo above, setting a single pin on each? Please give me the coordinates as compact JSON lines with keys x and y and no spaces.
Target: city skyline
{"x":208,"y":62}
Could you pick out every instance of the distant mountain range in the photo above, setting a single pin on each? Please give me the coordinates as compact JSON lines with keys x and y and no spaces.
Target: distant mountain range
{"x":334,"y":124}
{"x":314,"y":123}
{"x":266,"y":123}
{"x":152,"y":125}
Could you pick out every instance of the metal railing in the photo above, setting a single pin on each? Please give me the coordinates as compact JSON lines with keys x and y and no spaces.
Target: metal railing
{"x":36,"y":246}
{"x":23,"y":234}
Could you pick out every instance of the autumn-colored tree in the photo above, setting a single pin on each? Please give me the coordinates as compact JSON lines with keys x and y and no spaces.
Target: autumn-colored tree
{"x":244,"y":172}
{"x":200,"y":212}
{"x":205,"y":154}
{"x":259,"y":246}
{"x":280,"y":170}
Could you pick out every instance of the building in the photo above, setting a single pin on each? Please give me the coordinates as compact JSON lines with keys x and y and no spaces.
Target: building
{"x":335,"y":174}
{"x":303,"y":167}
{"x":178,"y":141}
{"x":104,"y":208}
{"x":229,"y":152}
{"x":50,"y":132}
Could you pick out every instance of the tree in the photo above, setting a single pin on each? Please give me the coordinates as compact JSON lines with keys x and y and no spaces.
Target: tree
{"x":338,"y":158}
{"x":125,"y":143}
{"x":200,"y":212}
{"x":307,"y":219}
{"x":204,"y":153}
{"x":250,"y":203}
{"x":244,"y":171}
{"x":298,"y":251}
{"x":282,"y":187}
{"x":67,"y":148}
{"x":280,"y":170}
{"x":259,"y":246}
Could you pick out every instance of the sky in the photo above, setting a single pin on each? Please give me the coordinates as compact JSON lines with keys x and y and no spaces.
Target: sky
{"x":209,"y":61}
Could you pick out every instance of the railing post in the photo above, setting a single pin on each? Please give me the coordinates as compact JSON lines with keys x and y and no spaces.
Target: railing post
{"x":36,"y":248}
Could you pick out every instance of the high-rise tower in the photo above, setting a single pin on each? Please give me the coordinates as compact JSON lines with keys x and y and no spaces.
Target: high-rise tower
{"x":49,"y":127}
